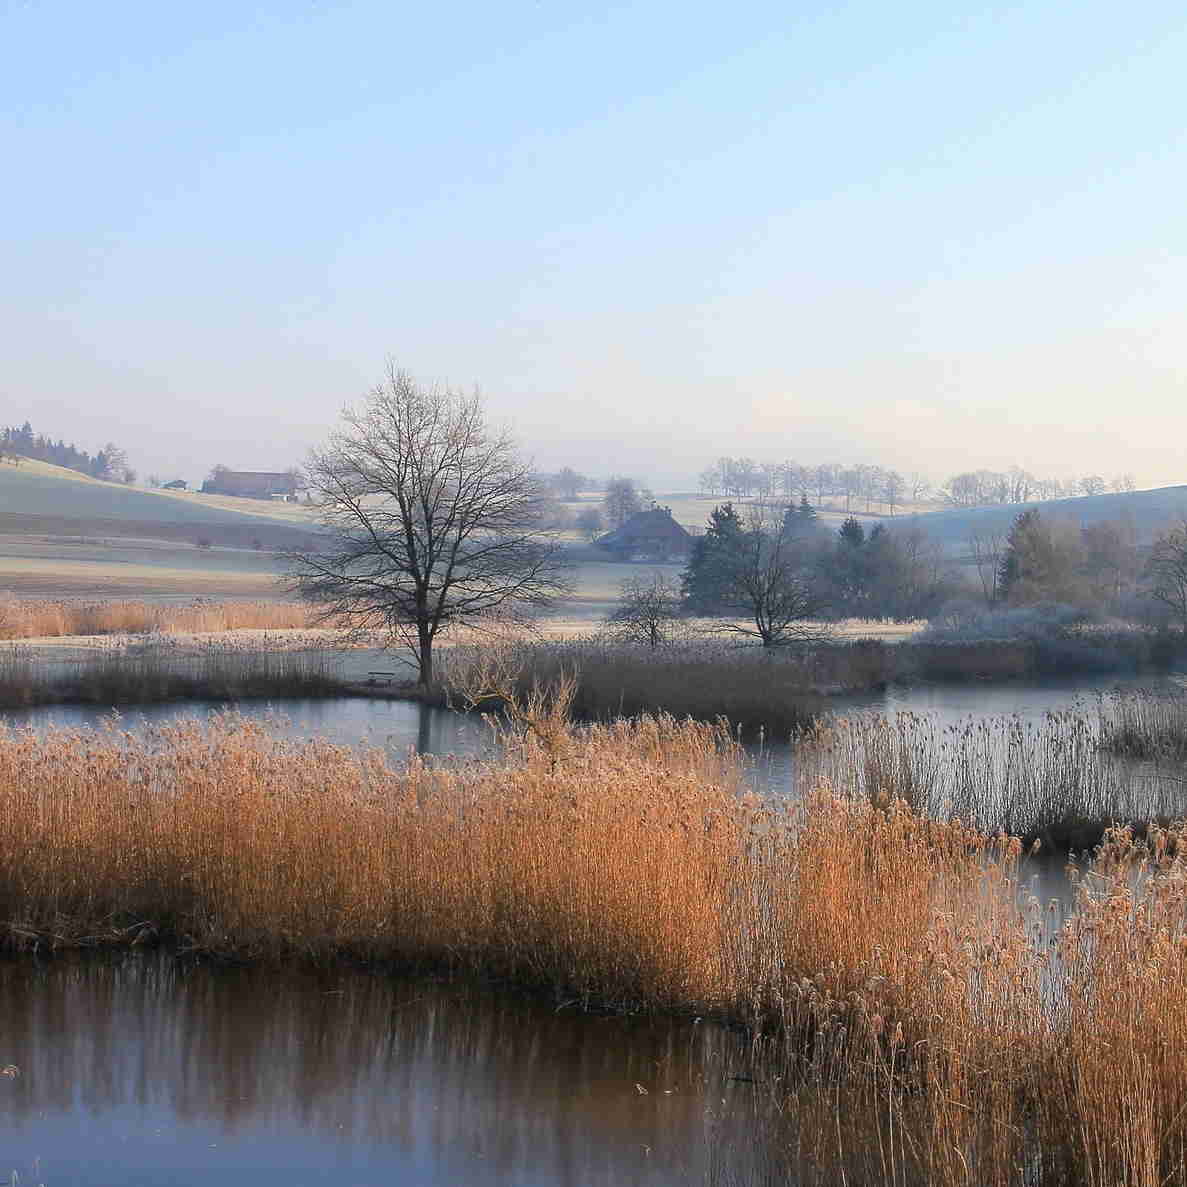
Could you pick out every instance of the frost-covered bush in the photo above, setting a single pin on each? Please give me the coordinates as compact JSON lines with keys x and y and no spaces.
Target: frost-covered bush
{"x":967,"y":621}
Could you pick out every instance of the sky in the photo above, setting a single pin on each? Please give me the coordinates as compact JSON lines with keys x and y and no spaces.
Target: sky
{"x":924,"y":235}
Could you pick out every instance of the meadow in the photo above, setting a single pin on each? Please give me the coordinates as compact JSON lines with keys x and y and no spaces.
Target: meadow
{"x":912,"y":1017}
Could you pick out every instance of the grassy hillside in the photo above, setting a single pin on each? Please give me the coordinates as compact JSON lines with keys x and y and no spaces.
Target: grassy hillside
{"x":1149,"y":510}
{"x":38,"y":488}
{"x":63,"y":534}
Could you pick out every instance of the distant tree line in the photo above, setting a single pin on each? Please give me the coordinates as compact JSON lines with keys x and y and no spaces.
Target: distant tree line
{"x":1101,"y":566}
{"x":779,"y":575}
{"x":783,"y":572}
{"x":110,"y":463}
{"x":567,"y":483}
{"x":863,"y":484}
{"x":869,"y":486}
{"x":988,"y":488}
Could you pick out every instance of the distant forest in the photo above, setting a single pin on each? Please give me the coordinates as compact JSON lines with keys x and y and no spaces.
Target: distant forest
{"x":110,"y":462}
{"x":741,"y":477}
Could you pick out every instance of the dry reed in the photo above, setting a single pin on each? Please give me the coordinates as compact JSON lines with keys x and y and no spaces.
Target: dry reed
{"x":20,"y":619}
{"x":155,"y":670}
{"x":1047,"y":780}
{"x":749,"y":687}
{"x":907,"y":1027}
{"x":1144,"y":725}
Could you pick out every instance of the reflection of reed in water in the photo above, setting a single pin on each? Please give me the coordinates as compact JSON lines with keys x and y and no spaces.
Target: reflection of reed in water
{"x":455,"y":1075}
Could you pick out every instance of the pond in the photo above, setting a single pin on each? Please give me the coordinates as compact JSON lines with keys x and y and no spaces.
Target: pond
{"x":146,"y":1069}
{"x":402,"y":726}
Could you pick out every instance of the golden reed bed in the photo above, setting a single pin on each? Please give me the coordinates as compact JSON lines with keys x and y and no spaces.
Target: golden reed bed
{"x":907,"y":1025}
{"x":20,"y":619}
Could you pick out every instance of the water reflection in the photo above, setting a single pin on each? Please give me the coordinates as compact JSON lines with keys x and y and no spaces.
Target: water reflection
{"x":133,"y":1066}
{"x":396,"y":726}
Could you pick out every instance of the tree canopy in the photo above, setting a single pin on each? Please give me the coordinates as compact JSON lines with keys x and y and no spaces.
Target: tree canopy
{"x":430,"y":520}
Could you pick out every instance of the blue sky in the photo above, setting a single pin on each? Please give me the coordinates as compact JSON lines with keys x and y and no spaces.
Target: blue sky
{"x":927,"y":235}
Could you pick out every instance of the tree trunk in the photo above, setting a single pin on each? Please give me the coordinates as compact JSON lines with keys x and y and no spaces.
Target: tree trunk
{"x":425,"y":655}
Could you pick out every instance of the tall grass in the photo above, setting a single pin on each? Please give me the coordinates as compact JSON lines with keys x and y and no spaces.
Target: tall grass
{"x":1047,"y":780}
{"x":773,"y":690}
{"x":1144,"y":725}
{"x":777,"y":690}
{"x":154,"y":671}
{"x":906,"y":1026}
{"x":20,"y":619}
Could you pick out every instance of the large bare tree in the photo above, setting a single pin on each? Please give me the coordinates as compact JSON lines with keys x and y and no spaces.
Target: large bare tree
{"x":431,"y":519}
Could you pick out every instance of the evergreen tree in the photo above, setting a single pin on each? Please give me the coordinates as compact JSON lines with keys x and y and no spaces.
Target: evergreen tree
{"x":800,"y":521}
{"x":1039,"y":563}
{"x":852,"y":533}
{"x":1014,"y":563}
{"x":713,"y":561}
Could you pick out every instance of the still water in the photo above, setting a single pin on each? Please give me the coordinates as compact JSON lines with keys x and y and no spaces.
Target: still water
{"x":403,"y":726}
{"x":148,"y":1070}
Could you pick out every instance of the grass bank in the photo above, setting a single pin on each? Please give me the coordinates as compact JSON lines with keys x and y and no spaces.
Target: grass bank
{"x":145,"y":673}
{"x":752,"y":689}
{"x":779,"y":691}
{"x":906,"y":1026}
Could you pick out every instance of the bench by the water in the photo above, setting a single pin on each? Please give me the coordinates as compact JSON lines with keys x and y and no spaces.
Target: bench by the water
{"x":381,"y":677}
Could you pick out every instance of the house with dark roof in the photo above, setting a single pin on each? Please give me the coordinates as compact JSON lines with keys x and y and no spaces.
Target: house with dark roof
{"x":648,"y":535}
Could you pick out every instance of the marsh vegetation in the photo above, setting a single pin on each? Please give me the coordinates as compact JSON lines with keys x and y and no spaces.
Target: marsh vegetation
{"x":911,"y":1018}
{"x":154,"y":670}
{"x":39,"y":618}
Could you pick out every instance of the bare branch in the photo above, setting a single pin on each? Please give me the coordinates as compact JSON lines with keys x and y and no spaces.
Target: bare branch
{"x":430,"y":519}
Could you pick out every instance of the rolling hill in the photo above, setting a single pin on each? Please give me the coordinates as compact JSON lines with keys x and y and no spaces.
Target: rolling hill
{"x":1150,"y":511}
{"x":40,"y":489}
{"x":64,"y":534}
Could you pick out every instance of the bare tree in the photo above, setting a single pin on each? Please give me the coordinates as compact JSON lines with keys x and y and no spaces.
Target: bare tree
{"x":648,"y":612}
{"x":1092,"y":484}
{"x":892,"y":489}
{"x":624,"y":498}
{"x":771,"y":583}
{"x":1166,"y":572}
{"x":824,"y":479}
{"x":987,"y":548}
{"x":567,"y":482}
{"x":431,"y":519}
{"x":114,"y":465}
{"x":849,"y":481}
{"x":589,"y":522}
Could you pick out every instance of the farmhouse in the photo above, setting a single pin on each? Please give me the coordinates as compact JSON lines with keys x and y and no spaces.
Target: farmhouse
{"x":648,"y":535}
{"x":250,"y":484}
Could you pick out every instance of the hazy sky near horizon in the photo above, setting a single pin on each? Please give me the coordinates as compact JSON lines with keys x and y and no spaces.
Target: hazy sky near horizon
{"x":925,"y":235}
